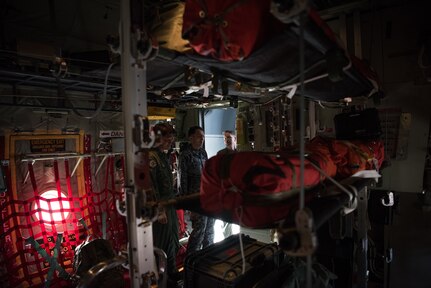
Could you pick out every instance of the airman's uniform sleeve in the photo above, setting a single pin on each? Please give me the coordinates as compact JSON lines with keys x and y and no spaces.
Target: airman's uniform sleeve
{"x":154,"y":174}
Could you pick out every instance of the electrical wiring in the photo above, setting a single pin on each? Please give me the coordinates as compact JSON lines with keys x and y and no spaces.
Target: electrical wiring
{"x":102,"y":102}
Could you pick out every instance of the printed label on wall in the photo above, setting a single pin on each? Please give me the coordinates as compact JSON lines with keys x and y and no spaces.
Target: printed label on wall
{"x":47,"y":145}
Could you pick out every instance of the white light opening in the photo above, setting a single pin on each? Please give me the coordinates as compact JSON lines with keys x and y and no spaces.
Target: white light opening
{"x":57,"y":215}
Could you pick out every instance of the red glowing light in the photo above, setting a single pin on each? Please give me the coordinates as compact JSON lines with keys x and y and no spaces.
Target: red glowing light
{"x":58,"y":213}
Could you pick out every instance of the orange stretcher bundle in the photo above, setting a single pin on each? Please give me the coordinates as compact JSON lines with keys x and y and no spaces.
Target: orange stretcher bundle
{"x":247,"y":187}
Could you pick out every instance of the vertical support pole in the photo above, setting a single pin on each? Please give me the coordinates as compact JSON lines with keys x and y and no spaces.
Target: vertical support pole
{"x":133,"y":75}
{"x":357,"y":33}
{"x":362,"y":241}
{"x":302,"y":133}
{"x":202,"y":118}
{"x":343,"y":30}
{"x":312,"y":119}
{"x":202,"y":121}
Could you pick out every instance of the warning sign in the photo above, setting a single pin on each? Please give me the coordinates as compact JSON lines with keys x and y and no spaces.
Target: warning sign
{"x":47,"y":145}
{"x":111,"y":134}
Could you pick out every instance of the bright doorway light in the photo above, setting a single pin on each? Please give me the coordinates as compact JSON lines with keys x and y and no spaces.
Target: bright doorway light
{"x":222,"y":230}
{"x":57,"y":214}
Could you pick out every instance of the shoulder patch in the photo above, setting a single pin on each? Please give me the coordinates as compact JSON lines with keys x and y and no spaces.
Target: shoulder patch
{"x":153,"y":163}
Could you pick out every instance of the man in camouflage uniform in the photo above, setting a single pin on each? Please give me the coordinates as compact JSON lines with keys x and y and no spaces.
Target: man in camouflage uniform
{"x":192,"y":160}
{"x":165,"y":229}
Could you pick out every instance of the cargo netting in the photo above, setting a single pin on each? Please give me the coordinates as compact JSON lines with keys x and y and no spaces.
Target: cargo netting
{"x":52,"y":209}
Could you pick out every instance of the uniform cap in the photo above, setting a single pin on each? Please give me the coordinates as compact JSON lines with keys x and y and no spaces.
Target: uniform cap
{"x":164,"y":129}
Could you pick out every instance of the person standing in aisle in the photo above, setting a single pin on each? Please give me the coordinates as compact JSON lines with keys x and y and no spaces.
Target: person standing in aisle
{"x":165,"y":228}
{"x":191,"y":162}
{"x":230,"y":143}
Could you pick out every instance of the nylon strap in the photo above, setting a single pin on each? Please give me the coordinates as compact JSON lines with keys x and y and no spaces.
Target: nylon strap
{"x":225,"y":162}
{"x":52,"y":260}
{"x":112,"y":172}
{"x":276,"y":198}
{"x":358,"y":150}
{"x":70,"y":195}
{"x":292,"y":167}
{"x":104,"y":225}
{"x":85,"y":226}
{"x":260,"y":200}
{"x":37,"y":198}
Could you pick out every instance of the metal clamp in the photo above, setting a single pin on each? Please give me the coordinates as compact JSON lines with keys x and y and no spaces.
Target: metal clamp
{"x":162,"y":266}
{"x":143,"y":47}
{"x":121,"y":207}
{"x":59,"y":68}
{"x":307,"y":238}
{"x":388,"y":199}
{"x":353,"y":203}
{"x":142,"y":136}
{"x":389,"y":255}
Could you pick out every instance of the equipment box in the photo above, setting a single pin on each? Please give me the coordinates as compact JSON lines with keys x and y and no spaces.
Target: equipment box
{"x":357,"y":125}
{"x":221,"y":265}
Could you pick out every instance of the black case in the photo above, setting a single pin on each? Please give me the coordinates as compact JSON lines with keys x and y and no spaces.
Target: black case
{"x":361,"y":125}
{"x":220,"y":265}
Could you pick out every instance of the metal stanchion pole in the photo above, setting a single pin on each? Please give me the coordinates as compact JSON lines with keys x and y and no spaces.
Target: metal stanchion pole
{"x":133,"y":75}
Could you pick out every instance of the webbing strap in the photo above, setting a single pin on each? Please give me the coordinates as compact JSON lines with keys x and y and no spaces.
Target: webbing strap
{"x":257,"y":170}
{"x":108,"y":165}
{"x":218,"y":19}
{"x":225,"y":163}
{"x":112,"y":172}
{"x":59,"y":195}
{"x":224,"y":172}
{"x":37,"y":198}
{"x":292,"y":167}
{"x":67,"y":174}
{"x":276,"y":198}
{"x":70,"y":195}
{"x":85,"y":226}
{"x":358,"y":150}
{"x":104,"y":225}
{"x":52,"y":260}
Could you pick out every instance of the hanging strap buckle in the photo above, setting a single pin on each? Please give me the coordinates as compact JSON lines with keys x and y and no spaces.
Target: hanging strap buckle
{"x":388,"y":199}
{"x":307,"y":241}
{"x":142,"y":137}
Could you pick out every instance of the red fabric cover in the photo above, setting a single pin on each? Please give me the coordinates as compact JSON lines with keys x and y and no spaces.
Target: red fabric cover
{"x":252,"y":174}
{"x":347,"y":157}
{"x":228,"y":30}
{"x":182,"y":228}
{"x":181,"y":223}
{"x":181,"y":256}
{"x":374,"y":150}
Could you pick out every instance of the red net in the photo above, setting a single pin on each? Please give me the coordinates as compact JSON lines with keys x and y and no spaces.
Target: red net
{"x":45,"y":200}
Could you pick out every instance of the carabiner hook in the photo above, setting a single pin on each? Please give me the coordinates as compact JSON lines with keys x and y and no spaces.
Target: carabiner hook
{"x":388,"y":200}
